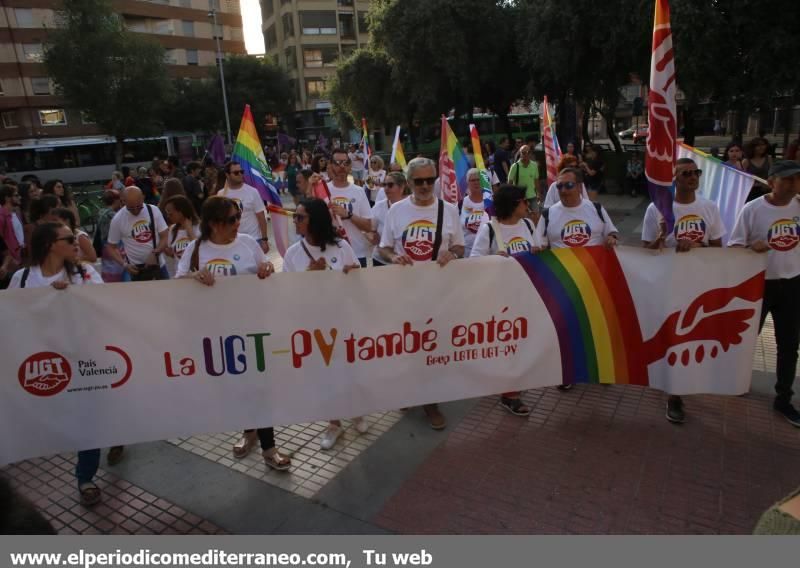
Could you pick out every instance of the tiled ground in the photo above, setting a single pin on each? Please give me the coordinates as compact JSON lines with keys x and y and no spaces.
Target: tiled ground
{"x":311,"y":467}
{"x":126,"y":509}
{"x":602,"y":460}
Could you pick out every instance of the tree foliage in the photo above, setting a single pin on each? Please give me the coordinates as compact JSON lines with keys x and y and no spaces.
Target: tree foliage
{"x":258,"y":82}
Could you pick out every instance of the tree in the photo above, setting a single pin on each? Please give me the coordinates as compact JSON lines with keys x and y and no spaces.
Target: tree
{"x":115,"y":76}
{"x":258,"y":82}
{"x":195,"y":106}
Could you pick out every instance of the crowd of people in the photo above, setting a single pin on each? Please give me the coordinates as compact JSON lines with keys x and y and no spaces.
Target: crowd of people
{"x":204,"y":226}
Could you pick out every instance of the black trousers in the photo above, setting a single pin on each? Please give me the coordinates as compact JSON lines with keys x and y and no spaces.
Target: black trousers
{"x":266,"y":437}
{"x":782,"y":300}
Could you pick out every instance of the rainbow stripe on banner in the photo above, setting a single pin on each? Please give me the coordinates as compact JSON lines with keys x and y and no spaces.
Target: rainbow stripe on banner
{"x":587,"y":296}
{"x":248,"y":153}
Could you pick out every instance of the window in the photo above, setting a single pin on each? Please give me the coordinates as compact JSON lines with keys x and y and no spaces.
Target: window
{"x":270,"y":38}
{"x":318,"y":23}
{"x":184,"y":4}
{"x":164,"y":27}
{"x":170,"y":57}
{"x":291,"y":60}
{"x":191,"y":57}
{"x":53,"y":117}
{"x":285,"y":2}
{"x":347,"y":51}
{"x":188,"y":28}
{"x":24,"y":17}
{"x":320,"y":57}
{"x":33,"y":51}
{"x":267,"y":9}
{"x":315,"y":88}
{"x":288,"y":25}
{"x":2,"y":90}
{"x":136,"y":24}
{"x":41,"y":85}
{"x":345,"y":3}
{"x":9,"y":119}
{"x":346,"y":28}
{"x":363,"y":27}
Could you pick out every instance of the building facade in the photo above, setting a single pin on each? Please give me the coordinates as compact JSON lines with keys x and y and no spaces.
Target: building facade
{"x":30,"y":110}
{"x":307,"y":37}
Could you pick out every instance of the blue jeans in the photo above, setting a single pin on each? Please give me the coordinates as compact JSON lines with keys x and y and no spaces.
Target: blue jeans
{"x":363,"y":262}
{"x":86,"y":468}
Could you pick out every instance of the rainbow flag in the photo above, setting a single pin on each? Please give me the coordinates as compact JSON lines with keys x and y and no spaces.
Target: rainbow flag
{"x":486,"y":178}
{"x":248,"y":153}
{"x":552,"y":151}
{"x":365,"y":138}
{"x":662,"y":135}
{"x":586,"y":294}
{"x":453,"y":166}
{"x":398,"y":156}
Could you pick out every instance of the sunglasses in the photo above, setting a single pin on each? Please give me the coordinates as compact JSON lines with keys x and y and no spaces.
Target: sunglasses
{"x":690,"y":173}
{"x":233,"y":218}
{"x":422,"y":181}
{"x":135,"y":209}
{"x":70,"y":239}
{"x":299,"y":217}
{"x":474,"y":179}
{"x":565,"y":185}
{"x":236,"y":172}
{"x":340,"y":162}
{"x":389,"y":184}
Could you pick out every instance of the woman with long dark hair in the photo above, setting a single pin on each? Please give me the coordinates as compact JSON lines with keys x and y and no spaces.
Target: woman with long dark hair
{"x":733,"y":155}
{"x":321,"y":249}
{"x":757,"y":161}
{"x":184,"y":227}
{"x":62,"y":192}
{"x":222,"y":251}
{"x":54,"y":262}
{"x":319,"y":165}
{"x":86,"y":250}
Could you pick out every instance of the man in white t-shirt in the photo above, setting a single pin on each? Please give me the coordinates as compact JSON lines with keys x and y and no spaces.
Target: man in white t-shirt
{"x":143,"y":232}
{"x":358,"y":164}
{"x":697,"y":224}
{"x":771,"y":224}
{"x":254,"y":220}
{"x":575,"y":221}
{"x":472,"y":209}
{"x":350,"y":204}
{"x":411,"y":234}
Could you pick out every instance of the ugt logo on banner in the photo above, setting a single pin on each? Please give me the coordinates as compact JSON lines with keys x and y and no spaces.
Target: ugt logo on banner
{"x":45,"y":373}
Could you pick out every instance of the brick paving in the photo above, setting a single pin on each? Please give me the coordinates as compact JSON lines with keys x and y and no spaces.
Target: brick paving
{"x":49,"y":483}
{"x":602,"y":459}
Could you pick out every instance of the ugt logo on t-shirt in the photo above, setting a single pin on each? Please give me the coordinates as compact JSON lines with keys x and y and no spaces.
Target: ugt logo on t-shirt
{"x":141,"y":232}
{"x":690,"y":228}
{"x":576,"y":233}
{"x":418,"y":240}
{"x":783,"y":235}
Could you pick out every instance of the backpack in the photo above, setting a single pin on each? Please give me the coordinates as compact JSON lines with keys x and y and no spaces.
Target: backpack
{"x":97,"y":242}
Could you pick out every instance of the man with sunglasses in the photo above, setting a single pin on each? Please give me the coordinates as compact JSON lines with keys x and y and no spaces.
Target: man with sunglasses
{"x":771,"y":224}
{"x":254,"y":220}
{"x":698,"y":223}
{"x":350,"y":204}
{"x":143,"y":232}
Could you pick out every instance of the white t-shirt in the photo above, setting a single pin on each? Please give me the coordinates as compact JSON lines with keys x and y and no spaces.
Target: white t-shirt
{"x":552,"y":196}
{"x":517,"y":238}
{"x":336,"y":256}
{"x":251,"y":204}
{"x":698,"y":222}
{"x":181,"y":240}
{"x":411,"y":229}
{"x":471,"y":215}
{"x":357,"y":161}
{"x":135,"y":232}
{"x":379,"y":211}
{"x":355,"y":201}
{"x":242,"y":256}
{"x":376,"y":177}
{"x":579,"y":226}
{"x":779,"y":227}
{"x":19,"y":230}
{"x":36,"y":280}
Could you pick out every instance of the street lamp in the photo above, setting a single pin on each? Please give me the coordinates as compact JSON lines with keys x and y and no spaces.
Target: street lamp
{"x":213,"y":15}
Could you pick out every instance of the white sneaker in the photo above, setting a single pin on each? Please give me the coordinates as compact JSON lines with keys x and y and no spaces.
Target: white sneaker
{"x":329,"y":436}
{"x":362,"y":426}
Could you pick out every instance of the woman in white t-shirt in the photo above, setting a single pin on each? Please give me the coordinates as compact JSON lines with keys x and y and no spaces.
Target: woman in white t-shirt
{"x":184,"y":228}
{"x":86,"y":250}
{"x":222,"y":251}
{"x":54,"y":262}
{"x":376,"y":174}
{"x":321,"y":249}
{"x":472,"y":209}
{"x":511,"y":232}
{"x":396,"y":189}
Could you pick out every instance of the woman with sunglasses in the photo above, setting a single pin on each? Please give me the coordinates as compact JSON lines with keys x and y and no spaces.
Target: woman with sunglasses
{"x":86,"y":250}
{"x":472,"y":209}
{"x":222,"y":251}
{"x":54,"y":262}
{"x":396,"y":189}
{"x":376,"y":174}
{"x":184,"y":228}
{"x":321,"y":249}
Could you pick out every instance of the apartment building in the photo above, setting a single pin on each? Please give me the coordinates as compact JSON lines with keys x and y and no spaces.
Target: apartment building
{"x":307,"y":37}
{"x":29,"y":109}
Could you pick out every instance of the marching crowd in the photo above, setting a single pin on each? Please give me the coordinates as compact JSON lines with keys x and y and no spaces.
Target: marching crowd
{"x":204,"y":230}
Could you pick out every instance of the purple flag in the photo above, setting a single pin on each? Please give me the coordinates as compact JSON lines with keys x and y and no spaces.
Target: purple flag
{"x":216,"y":150}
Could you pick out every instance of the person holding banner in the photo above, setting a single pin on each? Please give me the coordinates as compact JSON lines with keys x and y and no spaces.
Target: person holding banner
{"x":472,"y":209}
{"x":321,"y":249}
{"x":222,"y":251}
{"x":552,"y":196}
{"x":698,"y":223}
{"x":395,"y":189}
{"x":423,"y":228}
{"x":771,"y":224}
{"x":350,"y":204}
{"x":54,"y":262}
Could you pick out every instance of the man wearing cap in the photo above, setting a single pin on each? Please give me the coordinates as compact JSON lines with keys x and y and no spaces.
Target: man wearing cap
{"x":771,"y":224}
{"x":698,"y":223}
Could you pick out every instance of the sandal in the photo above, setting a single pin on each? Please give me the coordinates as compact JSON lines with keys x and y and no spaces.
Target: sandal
{"x":275,"y":460}
{"x":515,"y":406}
{"x":244,"y":446}
{"x":90,"y":494}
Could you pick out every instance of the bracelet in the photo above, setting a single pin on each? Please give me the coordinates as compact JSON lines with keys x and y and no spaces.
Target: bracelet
{"x":263,"y":240}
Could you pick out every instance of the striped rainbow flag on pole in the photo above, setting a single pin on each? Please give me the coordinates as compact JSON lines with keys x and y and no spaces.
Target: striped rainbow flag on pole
{"x":398,"y":156}
{"x":662,"y":135}
{"x":486,"y":176}
{"x":552,"y":151}
{"x":250,"y":155}
{"x":453,"y":166}
{"x":365,"y":137}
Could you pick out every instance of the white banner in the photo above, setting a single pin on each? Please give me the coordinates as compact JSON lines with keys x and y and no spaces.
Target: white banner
{"x":96,"y":366}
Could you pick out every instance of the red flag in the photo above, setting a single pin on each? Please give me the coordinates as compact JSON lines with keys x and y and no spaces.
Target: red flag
{"x":662,"y":117}
{"x":552,"y":151}
{"x":448,"y":178}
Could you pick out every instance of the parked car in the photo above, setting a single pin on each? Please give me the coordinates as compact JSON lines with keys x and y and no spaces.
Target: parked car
{"x":626,"y":134}
{"x":640,"y":136}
